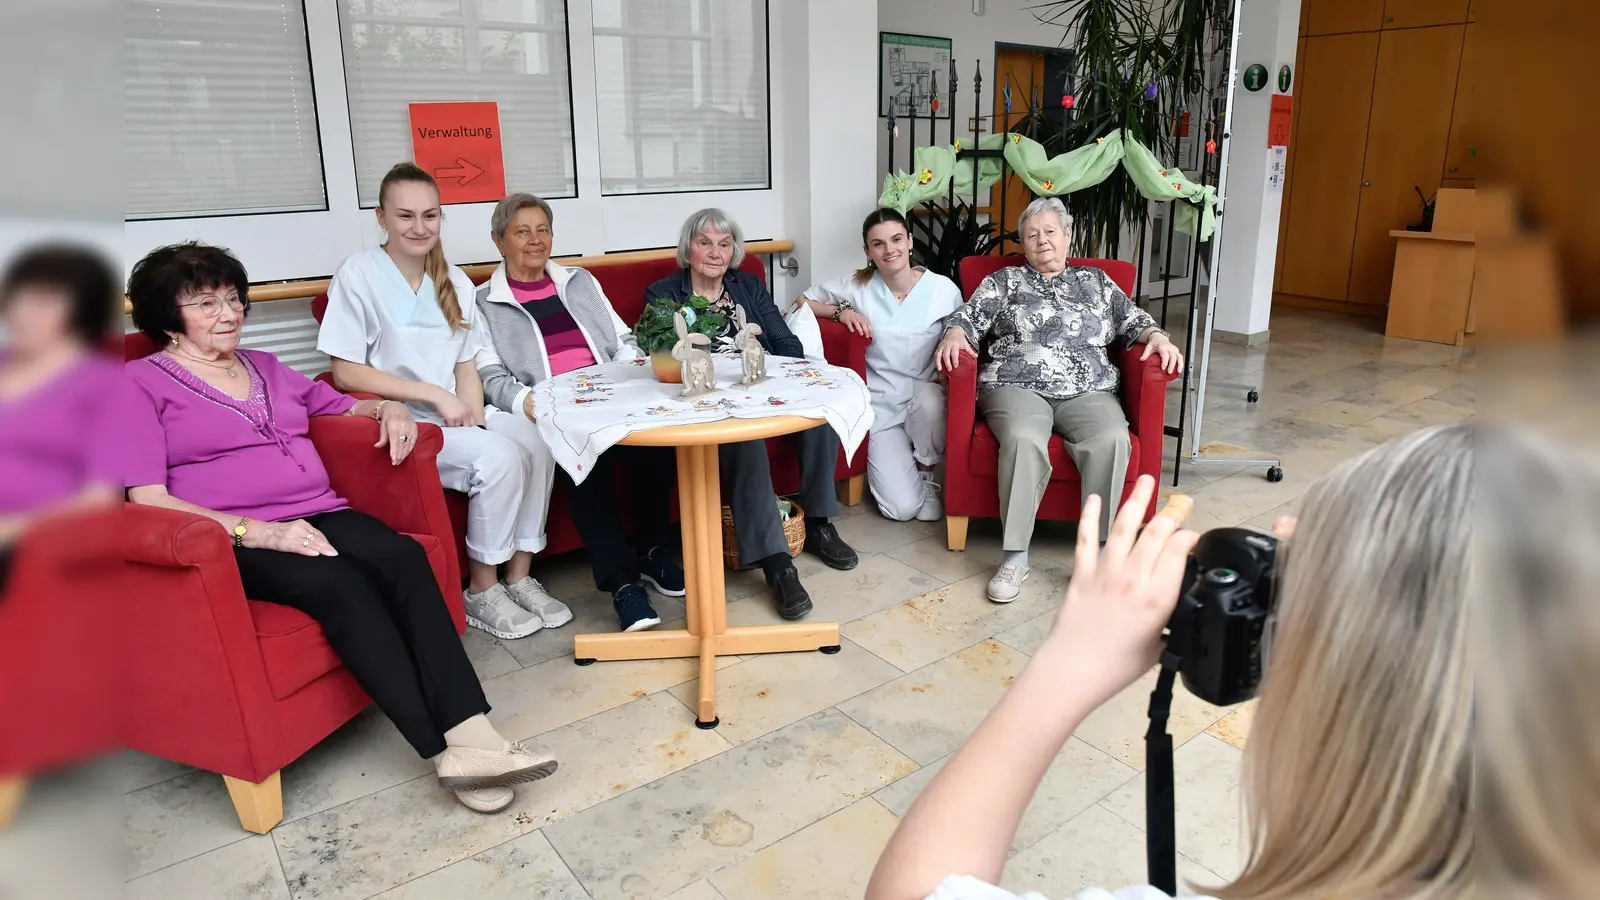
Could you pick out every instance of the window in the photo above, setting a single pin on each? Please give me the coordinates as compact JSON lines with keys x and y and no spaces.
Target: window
{"x":682,"y":95}
{"x":218,"y":112}
{"x":514,"y":52}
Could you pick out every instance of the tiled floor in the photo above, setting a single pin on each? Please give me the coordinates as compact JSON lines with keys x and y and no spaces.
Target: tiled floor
{"x":817,"y":755}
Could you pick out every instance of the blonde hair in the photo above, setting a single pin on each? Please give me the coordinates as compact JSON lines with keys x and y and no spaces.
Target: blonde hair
{"x":1357,"y":774}
{"x":1536,"y":628}
{"x":435,"y":265}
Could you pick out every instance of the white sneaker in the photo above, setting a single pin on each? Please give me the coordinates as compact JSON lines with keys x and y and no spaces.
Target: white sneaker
{"x":495,"y":612}
{"x":932,"y":510}
{"x":531,"y":596}
{"x":1007,"y":582}
{"x":471,"y":769}
{"x":486,"y":800}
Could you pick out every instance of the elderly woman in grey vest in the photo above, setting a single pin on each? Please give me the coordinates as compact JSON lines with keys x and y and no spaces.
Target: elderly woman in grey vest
{"x":1044,"y":329}
{"x":545,"y":319}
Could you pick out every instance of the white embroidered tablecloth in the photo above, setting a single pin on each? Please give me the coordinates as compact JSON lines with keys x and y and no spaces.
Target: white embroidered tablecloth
{"x":584,"y":412}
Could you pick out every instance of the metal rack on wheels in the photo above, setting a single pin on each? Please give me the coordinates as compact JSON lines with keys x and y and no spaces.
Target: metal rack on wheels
{"x":1194,"y":380}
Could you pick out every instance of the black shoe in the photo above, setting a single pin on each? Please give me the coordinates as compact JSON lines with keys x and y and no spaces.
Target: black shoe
{"x":662,"y":572}
{"x":790,"y":595}
{"x":632,"y":603}
{"x":822,"y":540}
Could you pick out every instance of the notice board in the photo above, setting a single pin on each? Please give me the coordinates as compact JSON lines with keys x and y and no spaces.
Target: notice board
{"x":459,"y":145}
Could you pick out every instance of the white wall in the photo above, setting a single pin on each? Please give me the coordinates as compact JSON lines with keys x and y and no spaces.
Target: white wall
{"x":1268,"y":31}
{"x":831,"y":178}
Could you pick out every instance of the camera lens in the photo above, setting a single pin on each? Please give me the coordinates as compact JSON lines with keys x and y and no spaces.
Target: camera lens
{"x":1221,"y":577}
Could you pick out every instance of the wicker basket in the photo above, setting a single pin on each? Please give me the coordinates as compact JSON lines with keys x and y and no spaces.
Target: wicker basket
{"x":794,"y":530}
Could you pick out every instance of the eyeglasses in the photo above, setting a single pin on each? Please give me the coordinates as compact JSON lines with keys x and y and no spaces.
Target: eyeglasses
{"x":211,"y":307}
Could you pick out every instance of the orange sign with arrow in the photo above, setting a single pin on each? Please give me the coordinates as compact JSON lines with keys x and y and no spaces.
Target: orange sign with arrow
{"x":459,"y":144}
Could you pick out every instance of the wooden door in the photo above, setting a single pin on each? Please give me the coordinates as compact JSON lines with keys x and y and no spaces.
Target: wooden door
{"x":1341,"y":16}
{"x":1025,"y":67}
{"x":1460,"y":162}
{"x":1406,"y":139}
{"x":1333,"y":91}
{"x":1420,"y":13}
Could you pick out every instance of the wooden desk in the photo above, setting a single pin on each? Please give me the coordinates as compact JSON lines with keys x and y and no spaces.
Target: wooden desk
{"x":1430,"y":298}
{"x":700,"y":509}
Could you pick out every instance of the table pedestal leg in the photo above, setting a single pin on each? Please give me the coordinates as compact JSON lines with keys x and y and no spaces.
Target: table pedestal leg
{"x":707,"y":635}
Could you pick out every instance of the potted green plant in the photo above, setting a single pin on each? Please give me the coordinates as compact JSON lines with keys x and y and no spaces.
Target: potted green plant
{"x":948,"y":234}
{"x":655,"y":334}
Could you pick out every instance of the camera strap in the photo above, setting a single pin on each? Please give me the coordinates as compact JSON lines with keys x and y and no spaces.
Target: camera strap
{"x":1161,"y":846}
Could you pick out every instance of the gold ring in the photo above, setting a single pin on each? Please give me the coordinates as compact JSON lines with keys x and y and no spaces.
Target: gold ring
{"x":405,"y":438}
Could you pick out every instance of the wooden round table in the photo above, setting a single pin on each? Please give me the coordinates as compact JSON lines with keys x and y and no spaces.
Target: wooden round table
{"x":700,"y":510}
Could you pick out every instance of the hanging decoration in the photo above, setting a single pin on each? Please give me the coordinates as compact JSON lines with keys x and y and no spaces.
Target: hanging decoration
{"x":1047,"y":176}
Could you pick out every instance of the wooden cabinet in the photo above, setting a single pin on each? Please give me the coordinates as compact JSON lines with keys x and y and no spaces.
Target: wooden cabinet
{"x":1459,"y":159}
{"x":1341,"y":16}
{"x":1405,"y":147}
{"x":1334,"y":92}
{"x":1381,"y":112}
{"x":1421,"y":13}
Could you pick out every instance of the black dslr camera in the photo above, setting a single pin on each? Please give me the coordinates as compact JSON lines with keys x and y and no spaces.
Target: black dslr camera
{"x":1220,"y":626}
{"x":1216,"y":638}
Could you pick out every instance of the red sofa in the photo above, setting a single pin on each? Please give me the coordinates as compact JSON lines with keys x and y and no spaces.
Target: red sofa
{"x":242,"y":687}
{"x":625,"y":285}
{"x":972,"y":455}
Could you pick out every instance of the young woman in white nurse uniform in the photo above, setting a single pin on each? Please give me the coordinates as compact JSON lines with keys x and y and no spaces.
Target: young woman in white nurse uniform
{"x":900,"y":307}
{"x":401,"y":324}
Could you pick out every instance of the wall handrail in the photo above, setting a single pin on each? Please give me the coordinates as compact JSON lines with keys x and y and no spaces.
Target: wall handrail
{"x":311,"y":287}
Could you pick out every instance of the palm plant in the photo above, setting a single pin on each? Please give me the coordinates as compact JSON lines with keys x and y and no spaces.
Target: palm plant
{"x":1138,"y":65}
{"x":943,"y":235}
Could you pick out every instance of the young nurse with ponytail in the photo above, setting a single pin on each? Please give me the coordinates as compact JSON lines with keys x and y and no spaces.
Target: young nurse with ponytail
{"x":401,"y":324}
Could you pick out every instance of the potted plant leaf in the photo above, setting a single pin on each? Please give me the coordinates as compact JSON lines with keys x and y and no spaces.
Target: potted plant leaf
{"x":656,"y":335}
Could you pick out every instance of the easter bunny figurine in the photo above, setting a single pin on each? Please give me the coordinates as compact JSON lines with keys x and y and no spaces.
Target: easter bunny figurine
{"x":748,"y":343}
{"x":698,"y":375}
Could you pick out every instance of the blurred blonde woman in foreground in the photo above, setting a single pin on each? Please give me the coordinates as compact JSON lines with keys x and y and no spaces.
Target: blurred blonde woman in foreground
{"x":1362,"y":778}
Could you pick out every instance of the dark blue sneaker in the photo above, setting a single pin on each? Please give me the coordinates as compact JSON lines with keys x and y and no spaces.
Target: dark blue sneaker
{"x":632,"y":603}
{"x":659,"y":571}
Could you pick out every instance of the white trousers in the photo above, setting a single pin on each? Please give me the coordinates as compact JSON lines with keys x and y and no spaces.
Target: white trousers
{"x":894,"y":452}
{"x":506,"y":473}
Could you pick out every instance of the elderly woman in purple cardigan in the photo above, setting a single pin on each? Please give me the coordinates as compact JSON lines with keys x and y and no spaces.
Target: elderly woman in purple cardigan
{"x":219,"y":431}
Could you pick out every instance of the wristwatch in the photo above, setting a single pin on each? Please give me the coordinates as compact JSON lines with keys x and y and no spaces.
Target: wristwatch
{"x":239,"y":531}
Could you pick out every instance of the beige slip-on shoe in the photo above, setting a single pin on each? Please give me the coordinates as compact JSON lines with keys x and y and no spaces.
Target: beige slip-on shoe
{"x":469,"y":769}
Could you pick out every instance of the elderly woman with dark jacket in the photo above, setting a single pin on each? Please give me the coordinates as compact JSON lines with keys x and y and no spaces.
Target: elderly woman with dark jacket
{"x":1044,"y":328}
{"x":710,"y":248}
{"x":545,"y":319}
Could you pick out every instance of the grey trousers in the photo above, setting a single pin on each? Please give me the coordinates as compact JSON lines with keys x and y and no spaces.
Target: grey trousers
{"x":1096,"y":436}
{"x":747,"y":489}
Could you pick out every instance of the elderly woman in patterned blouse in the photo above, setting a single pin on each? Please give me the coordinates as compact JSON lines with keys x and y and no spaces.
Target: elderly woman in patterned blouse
{"x":1044,"y":328}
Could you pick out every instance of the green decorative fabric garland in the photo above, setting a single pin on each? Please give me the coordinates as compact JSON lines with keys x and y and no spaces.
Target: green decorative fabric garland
{"x":1049,"y":176}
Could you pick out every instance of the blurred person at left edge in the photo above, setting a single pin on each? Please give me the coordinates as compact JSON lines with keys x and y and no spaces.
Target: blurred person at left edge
{"x":58,"y":447}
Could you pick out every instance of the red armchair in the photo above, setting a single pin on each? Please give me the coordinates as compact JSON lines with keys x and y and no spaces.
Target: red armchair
{"x":625,"y":285}
{"x":58,"y":700}
{"x":972,"y":455}
{"x":243,"y":687}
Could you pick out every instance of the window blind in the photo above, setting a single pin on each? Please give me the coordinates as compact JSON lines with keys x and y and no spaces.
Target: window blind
{"x":219,"y":116}
{"x":513,"y":52}
{"x":682,"y":90}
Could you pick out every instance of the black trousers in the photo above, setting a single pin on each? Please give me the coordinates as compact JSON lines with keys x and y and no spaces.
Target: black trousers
{"x":594,"y":504}
{"x":379,"y":605}
{"x":747,"y":489}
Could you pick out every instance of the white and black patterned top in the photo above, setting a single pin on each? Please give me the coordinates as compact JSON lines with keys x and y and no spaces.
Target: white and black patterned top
{"x":1049,"y":334}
